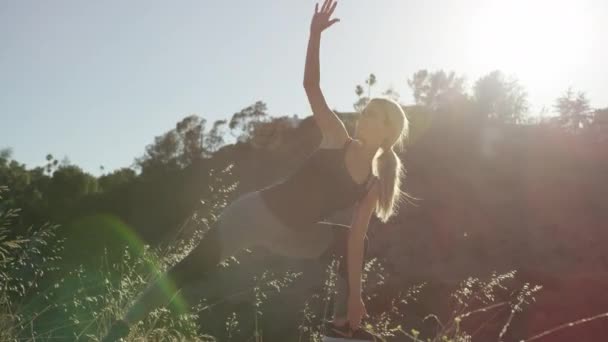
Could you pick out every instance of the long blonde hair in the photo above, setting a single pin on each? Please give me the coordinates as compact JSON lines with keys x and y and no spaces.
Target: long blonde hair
{"x":386,"y":164}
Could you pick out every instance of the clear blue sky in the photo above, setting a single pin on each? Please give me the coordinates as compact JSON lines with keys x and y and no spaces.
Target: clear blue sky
{"x":96,"y":81}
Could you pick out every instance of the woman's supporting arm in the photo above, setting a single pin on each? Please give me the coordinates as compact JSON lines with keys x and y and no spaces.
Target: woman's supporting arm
{"x":355,"y":249}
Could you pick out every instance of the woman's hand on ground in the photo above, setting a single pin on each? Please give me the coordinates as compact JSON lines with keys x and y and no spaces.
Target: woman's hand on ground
{"x":356,"y":311}
{"x":320,"y":20}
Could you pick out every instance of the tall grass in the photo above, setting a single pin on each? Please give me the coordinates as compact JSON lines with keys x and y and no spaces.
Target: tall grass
{"x":26,"y":256}
{"x":40,"y":301}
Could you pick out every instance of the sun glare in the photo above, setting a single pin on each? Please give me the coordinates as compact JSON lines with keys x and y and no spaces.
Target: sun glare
{"x":531,"y":39}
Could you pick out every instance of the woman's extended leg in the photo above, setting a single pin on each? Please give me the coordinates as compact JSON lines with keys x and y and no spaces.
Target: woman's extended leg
{"x":237,"y":227}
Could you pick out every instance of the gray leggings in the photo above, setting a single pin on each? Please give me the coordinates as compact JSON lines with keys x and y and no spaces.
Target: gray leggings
{"x":247,"y":222}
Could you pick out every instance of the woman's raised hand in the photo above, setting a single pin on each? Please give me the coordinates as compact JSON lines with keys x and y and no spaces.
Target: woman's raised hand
{"x":320,"y":20}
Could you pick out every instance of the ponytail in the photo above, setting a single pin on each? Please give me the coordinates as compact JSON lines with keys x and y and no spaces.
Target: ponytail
{"x":387,"y":165}
{"x":390,"y":171}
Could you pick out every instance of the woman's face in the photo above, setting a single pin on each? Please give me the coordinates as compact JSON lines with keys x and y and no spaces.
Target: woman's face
{"x":371,"y":125}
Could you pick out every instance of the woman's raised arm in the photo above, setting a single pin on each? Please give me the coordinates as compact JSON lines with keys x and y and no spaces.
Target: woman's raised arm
{"x":332,"y":128}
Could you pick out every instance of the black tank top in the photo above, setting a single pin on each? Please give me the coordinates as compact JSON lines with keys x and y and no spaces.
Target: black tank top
{"x":318,"y":188}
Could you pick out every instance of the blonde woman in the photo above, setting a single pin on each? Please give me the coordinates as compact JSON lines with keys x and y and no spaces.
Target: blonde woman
{"x":362,"y":171}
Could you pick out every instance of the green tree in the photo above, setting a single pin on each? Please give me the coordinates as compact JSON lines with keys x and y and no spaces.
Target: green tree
{"x":175,"y":149}
{"x":391,"y":93}
{"x":14,"y":173}
{"x":359,"y":91}
{"x":242,"y":124}
{"x":434,"y":89}
{"x":116,"y":179}
{"x":6,"y":153}
{"x":189,"y":143}
{"x":501,"y":98}
{"x":162,"y":154}
{"x":574,"y":109}
{"x":370,"y":81}
{"x":69,"y":184}
{"x":215,"y":138}
{"x":190,"y":139}
{"x":273,"y":133}
{"x":51,"y":164}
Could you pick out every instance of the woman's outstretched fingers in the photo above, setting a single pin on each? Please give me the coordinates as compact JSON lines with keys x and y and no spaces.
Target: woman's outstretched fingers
{"x":333,"y":21}
{"x":324,"y":7}
{"x":333,"y":7}
{"x":321,"y":18}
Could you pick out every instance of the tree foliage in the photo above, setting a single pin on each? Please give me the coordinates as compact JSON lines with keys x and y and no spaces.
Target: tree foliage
{"x":243,"y":122}
{"x":502,"y":98}
{"x":574,"y":109}
{"x":435,"y":89}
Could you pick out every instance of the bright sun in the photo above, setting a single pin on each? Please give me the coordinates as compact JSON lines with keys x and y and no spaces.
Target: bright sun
{"x":530,"y":38}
